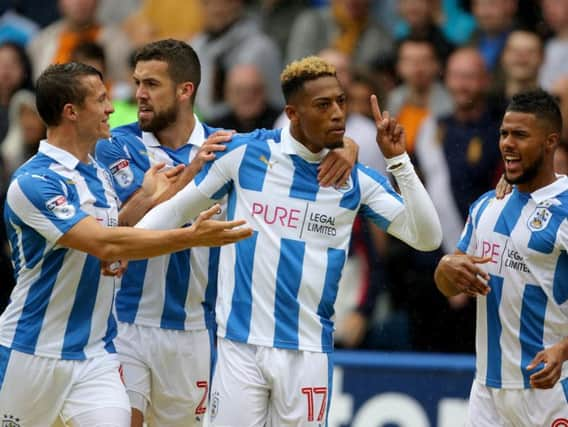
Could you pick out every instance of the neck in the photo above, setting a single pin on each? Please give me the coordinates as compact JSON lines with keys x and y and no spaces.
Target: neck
{"x":546,"y":177}
{"x":513,"y":87}
{"x":314,"y":148}
{"x":67,"y":139}
{"x":177,"y":134}
{"x":418,"y":96}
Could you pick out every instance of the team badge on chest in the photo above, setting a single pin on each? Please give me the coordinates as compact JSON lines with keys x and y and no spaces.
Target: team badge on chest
{"x":539,"y":219}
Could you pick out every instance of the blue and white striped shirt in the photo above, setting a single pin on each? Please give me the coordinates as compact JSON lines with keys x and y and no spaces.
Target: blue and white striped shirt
{"x":278,"y":287}
{"x":61,"y":305}
{"x":526,"y":236}
{"x":174,"y":291}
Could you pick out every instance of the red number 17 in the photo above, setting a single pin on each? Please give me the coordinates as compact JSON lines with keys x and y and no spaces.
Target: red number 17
{"x":309,"y":392}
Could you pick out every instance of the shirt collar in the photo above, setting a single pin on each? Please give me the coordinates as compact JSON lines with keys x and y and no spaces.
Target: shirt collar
{"x":551,"y":190}
{"x":196,"y":138}
{"x":291,"y":145}
{"x":59,"y":155}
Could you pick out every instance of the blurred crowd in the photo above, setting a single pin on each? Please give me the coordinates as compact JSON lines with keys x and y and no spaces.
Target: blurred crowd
{"x":444,"y":68}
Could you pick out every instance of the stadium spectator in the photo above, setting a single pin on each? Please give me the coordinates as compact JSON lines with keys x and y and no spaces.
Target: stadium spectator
{"x":25,"y":132}
{"x":78,"y":24}
{"x":448,"y":15}
{"x":495,"y":20}
{"x":167,"y":301}
{"x":512,"y":258}
{"x":363,"y":85}
{"x":276,"y":292}
{"x":420,"y":94}
{"x":245,"y":93}
{"x":15,"y":74}
{"x":555,"y":67}
{"x":521,"y":61}
{"x":421,"y":18}
{"x":56,"y":348}
{"x":231,"y":38}
{"x":344,"y":25}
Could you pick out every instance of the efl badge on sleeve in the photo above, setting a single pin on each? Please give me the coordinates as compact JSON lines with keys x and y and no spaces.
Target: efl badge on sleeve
{"x":122,"y":173}
{"x":60,"y":207}
{"x":539,"y":219}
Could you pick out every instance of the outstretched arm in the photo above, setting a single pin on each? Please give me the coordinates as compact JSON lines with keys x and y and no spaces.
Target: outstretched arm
{"x":418,"y":224}
{"x":111,"y":243}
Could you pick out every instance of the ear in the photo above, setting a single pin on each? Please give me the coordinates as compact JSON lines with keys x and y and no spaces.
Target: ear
{"x":69,"y":112}
{"x":186,"y":90}
{"x":291,"y":113}
{"x":551,"y":142}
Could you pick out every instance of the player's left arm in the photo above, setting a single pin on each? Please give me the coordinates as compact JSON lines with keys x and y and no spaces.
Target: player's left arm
{"x":336,"y":166}
{"x":553,"y":357}
{"x":417,"y":224}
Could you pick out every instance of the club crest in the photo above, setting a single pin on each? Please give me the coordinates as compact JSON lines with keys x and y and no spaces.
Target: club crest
{"x":539,"y":219}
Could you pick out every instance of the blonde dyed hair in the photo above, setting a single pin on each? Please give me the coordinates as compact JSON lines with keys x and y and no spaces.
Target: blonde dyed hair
{"x":298,"y":72}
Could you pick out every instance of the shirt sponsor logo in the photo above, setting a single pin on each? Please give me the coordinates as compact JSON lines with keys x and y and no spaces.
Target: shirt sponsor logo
{"x":60,"y":207}
{"x":511,"y":258}
{"x":296,"y":219}
{"x":122,"y":172}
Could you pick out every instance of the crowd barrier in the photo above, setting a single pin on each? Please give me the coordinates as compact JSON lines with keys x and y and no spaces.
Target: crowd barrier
{"x":376,"y":389}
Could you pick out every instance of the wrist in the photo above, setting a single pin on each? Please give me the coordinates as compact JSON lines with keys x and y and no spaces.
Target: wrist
{"x":397,"y":162}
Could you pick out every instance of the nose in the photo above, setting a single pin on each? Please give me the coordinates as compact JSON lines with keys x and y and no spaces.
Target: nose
{"x":141,"y":92}
{"x":338,"y":112}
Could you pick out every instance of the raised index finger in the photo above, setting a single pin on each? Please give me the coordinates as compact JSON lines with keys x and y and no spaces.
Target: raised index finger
{"x":375,"y":109}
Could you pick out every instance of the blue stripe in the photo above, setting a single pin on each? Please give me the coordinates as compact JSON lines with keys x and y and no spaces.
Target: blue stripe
{"x":464,"y":242}
{"x":560,"y":280}
{"x":212,"y":356}
{"x":110,"y":334}
{"x":543,"y":240}
{"x":564,"y":383}
{"x":494,"y":329}
{"x":211,"y":288}
{"x":130,"y":292}
{"x":176,"y":289}
{"x":37,"y":300}
{"x":238,"y":324}
{"x":335,"y":262}
{"x":32,"y":243}
{"x":305,"y":180}
{"x":329,"y":386}
{"x":252,"y":170}
{"x":286,"y":305}
{"x":511,"y":213}
{"x":352,"y":198}
{"x":79,"y":323}
{"x":231,"y":205}
{"x":4,"y":360}
{"x":531,"y":330}
{"x":377,"y":218}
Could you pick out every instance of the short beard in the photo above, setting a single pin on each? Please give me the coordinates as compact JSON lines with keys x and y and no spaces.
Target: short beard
{"x":529,"y":174}
{"x":334,"y":145}
{"x":161,"y":120}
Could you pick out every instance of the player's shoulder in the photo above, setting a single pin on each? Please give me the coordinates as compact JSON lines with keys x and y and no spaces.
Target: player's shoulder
{"x":120,"y":137}
{"x":36,"y":177}
{"x":258,"y":137}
